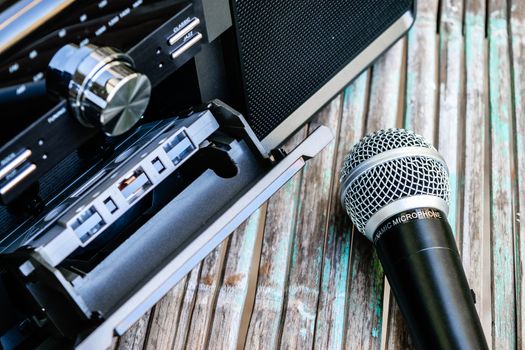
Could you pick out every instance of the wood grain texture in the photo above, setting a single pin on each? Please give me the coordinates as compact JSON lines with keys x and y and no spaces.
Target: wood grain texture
{"x":186,"y":308}
{"x":450,"y":117}
{"x":384,"y":111}
{"x":386,"y":108}
{"x":235,"y":283}
{"x":476,"y":242}
{"x":135,"y":337}
{"x":421,"y":92}
{"x":265,"y":324}
{"x":164,"y":319}
{"x":211,"y":274}
{"x":307,"y":252}
{"x":365,"y":277}
{"x":518,"y":59}
{"x":502,"y":227}
{"x":420,"y":116}
{"x":331,"y":313}
{"x":386,"y":89}
{"x":319,"y":284}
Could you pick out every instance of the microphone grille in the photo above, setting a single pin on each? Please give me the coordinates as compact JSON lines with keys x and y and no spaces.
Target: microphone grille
{"x":379,"y":142}
{"x":366,"y":190}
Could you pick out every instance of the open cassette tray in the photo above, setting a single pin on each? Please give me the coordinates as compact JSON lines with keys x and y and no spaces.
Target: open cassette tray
{"x":82,"y":282}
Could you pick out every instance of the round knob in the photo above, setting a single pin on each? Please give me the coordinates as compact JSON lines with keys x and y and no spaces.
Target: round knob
{"x":102,"y":88}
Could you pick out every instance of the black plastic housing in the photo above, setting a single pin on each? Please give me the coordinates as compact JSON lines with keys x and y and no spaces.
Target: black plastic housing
{"x":423,"y":266}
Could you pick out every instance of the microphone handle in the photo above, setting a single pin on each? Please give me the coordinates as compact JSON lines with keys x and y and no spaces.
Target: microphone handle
{"x":423,"y":266}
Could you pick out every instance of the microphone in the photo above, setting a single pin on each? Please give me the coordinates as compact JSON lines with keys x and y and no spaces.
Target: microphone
{"x":394,"y":186}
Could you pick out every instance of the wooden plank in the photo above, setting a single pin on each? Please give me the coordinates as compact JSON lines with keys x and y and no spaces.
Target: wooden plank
{"x":264,"y":329}
{"x":114,"y":343}
{"x":504,"y":306}
{"x":518,"y":55}
{"x":365,"y":295}
{"x":234,"y":291}
{"x":475,"y":246}
{"x":186,"y":308}
{"x":386,"y":111}
{"x":164,"y":319}
{"x":307,"y":254}
{"x":397,"y":336}
{"x":421,"y":92}
{"x":420,"y":116}
{"x":331,"y":313}
{"x":386,"y":96}
{"x":387,"y":105}
{"x":135,"y":337}
{"x":450,"y":117}
{"x":207,"y":290}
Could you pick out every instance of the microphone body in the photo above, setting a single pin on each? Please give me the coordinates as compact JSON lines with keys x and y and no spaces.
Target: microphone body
{"x":394,"y":186}
{"x":421,"y":261}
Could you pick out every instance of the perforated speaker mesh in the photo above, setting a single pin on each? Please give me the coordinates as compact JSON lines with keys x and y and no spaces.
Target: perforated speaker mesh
{"x":379,"y":142}
{"x":388,"y":181}
{"x":291,"y":48}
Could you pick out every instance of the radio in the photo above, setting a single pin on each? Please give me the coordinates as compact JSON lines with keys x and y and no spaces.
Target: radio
{"x":147,"y":130}
{"x":85,"y":73}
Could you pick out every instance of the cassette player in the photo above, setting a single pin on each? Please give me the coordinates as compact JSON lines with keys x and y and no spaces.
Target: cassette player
{"x":143,"y":161}
{"x":118,"y":176}
{"x":109,"y":244}
{"x":90,"y":71}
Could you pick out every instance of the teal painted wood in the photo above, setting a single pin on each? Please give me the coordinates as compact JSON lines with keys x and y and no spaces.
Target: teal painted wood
{"x":365,"y":297}
{"x":386,"y":111}
{"x":234,"y":291}
{"x":450,"y":118}
{"x":365,"y":278}
{"x":421,"y":91}
{"x":265,"y":325}
{"x":476,"y":238}
{"x":518,"y":55}
{"x":502,"y":228}
{"x":420,"y":116}
{"x":307,"y":252}
{"x":332,"y":295}
{"x":332,"y":310}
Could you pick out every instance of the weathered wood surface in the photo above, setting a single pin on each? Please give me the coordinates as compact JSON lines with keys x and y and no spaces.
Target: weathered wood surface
{"x":265,"y":325}
{"x":501,"y":185}
{"x":518,"y":59}
{"x":296,"y":275}
{"x":474,"y":236}
{"x":450,"y":117}
{"x":300,"y":309}
{"x":235,"y":292}
{"x":386,"y":108}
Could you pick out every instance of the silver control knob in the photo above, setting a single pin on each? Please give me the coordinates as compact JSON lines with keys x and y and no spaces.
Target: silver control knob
{"x":102,"y":88}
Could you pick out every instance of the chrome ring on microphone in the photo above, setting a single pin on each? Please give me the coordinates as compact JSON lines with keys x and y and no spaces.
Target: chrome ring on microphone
{"x":401,"y":205}
{"x":387,"y":156}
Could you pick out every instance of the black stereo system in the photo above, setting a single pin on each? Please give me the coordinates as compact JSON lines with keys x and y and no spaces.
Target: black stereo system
{"x":146,"y":131}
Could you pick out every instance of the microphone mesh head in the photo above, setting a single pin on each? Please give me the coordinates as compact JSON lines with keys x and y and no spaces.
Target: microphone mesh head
{"x":385,"y":182}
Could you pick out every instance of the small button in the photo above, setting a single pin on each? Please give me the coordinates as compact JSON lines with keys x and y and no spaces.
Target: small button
{"x":157,"y":163}
{"x":181,"y":32}
{"x":110,"y":205}
{"x":186,"y":46}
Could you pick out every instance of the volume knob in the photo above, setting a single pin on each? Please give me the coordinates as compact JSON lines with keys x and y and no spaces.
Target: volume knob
{"x":101,"y":85}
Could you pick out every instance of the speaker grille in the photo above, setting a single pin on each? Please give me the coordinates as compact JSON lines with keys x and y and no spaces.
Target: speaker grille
{"x":290,"y":49}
